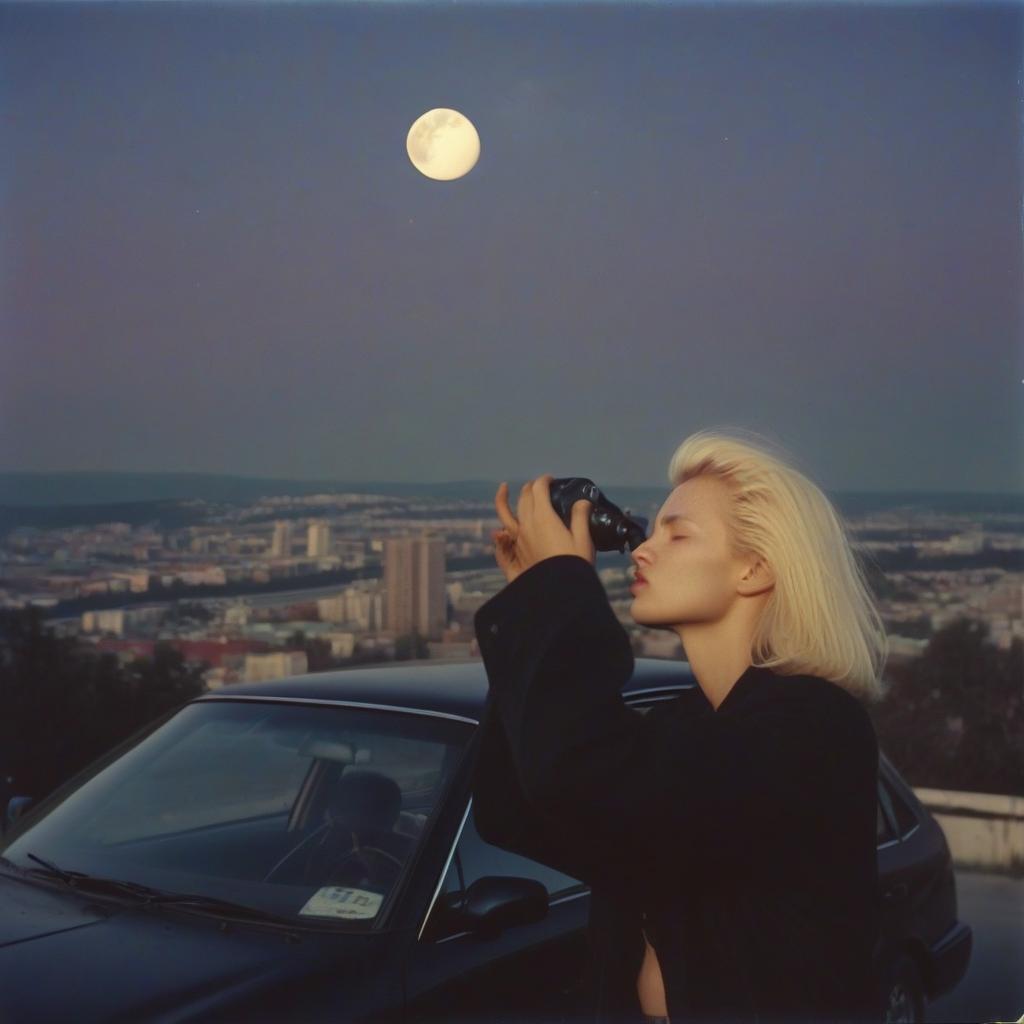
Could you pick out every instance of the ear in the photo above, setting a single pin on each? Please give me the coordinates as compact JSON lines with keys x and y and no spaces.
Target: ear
{"x":757,"y":579}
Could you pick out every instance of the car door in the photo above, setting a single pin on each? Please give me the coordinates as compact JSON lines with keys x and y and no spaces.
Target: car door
{"x":526,"y":971}
{"x":898,"y":862}
{"x":920,"y":883}
{"x":536,"y":970}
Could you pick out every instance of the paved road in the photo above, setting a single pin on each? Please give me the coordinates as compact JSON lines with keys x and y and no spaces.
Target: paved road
{"x":993,"y":987}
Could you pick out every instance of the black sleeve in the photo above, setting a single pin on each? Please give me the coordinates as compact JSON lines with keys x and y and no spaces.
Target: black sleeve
{"x":557,"y":658}
{"x":507,"y":820}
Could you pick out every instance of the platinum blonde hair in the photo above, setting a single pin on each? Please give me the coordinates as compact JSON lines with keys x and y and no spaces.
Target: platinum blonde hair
{"x":821,"y":617}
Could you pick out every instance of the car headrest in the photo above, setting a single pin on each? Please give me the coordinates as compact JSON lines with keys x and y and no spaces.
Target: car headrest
{"x":364,"y":800}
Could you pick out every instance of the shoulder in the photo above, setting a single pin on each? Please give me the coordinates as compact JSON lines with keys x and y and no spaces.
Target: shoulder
{"x":819,"y":702}
{"x":819,"y":692}
{"x":845,"y":724}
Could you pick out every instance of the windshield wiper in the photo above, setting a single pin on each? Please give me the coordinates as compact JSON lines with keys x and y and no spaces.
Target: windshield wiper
{"x":50,"y":866}
{"x":147,"y":895}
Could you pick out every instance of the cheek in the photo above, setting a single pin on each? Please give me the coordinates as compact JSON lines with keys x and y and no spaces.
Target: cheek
{"x":698,"y":574}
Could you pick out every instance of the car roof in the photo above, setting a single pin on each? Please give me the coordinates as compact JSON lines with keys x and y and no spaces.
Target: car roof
{"x":437,"y":686}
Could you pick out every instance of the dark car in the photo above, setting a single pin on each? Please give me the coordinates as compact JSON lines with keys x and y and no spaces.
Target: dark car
{"x":305,"y":849}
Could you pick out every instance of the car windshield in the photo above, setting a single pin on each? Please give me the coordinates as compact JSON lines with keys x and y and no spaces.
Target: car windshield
{"x":307,"y":811}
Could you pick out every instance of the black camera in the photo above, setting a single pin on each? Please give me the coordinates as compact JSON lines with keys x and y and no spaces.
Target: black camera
{"x":611,"y":529}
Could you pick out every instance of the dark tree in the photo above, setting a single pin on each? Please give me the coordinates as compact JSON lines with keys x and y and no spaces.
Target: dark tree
{"x":954,"y":717}
{"x":186,"y":611}
{"x":318,"y":651}
{"x":365,"y":655}
{"x":62,"y":705}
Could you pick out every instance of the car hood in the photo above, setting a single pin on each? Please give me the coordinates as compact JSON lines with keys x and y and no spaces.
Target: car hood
{"x":67,"y":956}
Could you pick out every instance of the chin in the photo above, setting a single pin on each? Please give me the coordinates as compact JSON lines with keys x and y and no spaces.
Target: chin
{"x":649,"y":623}
{"x":644,"y":620}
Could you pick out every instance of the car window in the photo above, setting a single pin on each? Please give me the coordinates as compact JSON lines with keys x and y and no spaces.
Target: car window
{"x":213,"y":775}
{"x":304,"y":810}
{"x":644,"y":704}
{"x":884,"y":831}
{"x":224,"y":772}
{"x":906,"y":820}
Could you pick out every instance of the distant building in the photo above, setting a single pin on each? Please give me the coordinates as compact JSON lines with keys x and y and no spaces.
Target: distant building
{"x":274,"y":666}
{"x":332,"y":609}
{"x":110,"y":621}
{"x":318,"y":540}
{"x":212,"y":574}
{"x":343,"y":644}
{"x":127,"y":651}
{"x":138,"y":582}
{"x":453,"y":649}
{"x":216,"y":653}
{"x":351,"y":552}
{"x":414,"y":583}
{"x":360,"y":607}
{"x":281,"y":545}
{"x":902,"y":646}
{"x":219,"y":653}
{"x":238,"y":613}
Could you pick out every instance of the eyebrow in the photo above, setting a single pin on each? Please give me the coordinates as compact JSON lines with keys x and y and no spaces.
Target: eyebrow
{"x":672,"y":517}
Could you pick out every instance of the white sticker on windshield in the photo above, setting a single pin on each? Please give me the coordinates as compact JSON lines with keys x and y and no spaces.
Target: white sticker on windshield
{"x":341,"y":901}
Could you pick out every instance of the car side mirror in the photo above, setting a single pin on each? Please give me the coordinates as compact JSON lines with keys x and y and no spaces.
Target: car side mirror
{"x":16,"y":807}
{"x":491,"y":904}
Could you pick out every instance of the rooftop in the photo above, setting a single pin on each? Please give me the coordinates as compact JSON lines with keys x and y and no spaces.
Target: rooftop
{"x":447,"y":686}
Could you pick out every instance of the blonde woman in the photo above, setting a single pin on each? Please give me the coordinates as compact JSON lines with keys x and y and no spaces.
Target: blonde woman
{"x":728,"y":835}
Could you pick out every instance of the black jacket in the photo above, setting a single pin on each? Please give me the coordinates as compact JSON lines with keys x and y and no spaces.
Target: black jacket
{"x":741,"y":839}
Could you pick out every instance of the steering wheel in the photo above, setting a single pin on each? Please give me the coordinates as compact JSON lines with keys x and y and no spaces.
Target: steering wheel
{"x":371,"y":871}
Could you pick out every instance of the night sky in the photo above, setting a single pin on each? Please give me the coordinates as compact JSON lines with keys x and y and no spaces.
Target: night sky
{"x":801,"y":221}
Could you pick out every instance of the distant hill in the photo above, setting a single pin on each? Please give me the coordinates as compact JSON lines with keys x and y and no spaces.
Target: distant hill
{"x":98,"y":488}
{"x":48,"y":500}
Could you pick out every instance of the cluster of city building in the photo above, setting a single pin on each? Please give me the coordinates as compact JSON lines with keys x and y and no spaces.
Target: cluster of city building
{"x":399,"y":554}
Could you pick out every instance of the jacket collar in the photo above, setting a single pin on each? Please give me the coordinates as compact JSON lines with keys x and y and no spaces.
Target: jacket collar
{"x":750,"y":685}
{"x":755,"y":685}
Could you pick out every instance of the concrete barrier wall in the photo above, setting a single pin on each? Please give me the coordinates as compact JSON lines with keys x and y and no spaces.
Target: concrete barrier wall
{"x":984,"y":830}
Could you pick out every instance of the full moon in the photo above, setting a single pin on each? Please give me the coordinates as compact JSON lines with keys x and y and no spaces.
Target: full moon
{"x":443,"y":144}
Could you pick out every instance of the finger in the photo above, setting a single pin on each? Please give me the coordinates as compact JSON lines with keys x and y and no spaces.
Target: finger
{"x":525,"y":505}
{"x":504,"y":512}
{"x":581,"y":522}
{"x":541,"y":491}
{"x":581,"y":510}
{"x":502,"y":543}
{"x":504,"y":538}
{"x":506,"y":552}
{"x":501,"y":550}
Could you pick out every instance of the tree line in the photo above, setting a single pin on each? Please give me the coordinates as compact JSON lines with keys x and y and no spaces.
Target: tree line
{"x":952,"y":718}
{"x":63,"y":705}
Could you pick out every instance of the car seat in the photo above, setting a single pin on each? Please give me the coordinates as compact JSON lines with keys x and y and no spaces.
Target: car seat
{"x":359,"y":843}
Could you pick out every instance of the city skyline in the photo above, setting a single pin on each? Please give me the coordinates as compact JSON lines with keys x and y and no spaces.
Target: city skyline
{"x":219,"y":258}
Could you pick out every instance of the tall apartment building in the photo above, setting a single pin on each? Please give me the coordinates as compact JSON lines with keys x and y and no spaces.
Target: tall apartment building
{"x":318,"y":540}
{"x":414,"y":582}
{"x":281,"y":546}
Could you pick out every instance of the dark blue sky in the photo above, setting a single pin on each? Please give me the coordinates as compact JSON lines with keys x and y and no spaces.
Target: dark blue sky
{"x":803,"y":221}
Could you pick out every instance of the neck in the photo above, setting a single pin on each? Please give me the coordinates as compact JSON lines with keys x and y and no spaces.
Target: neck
{"x":718,"y":653}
